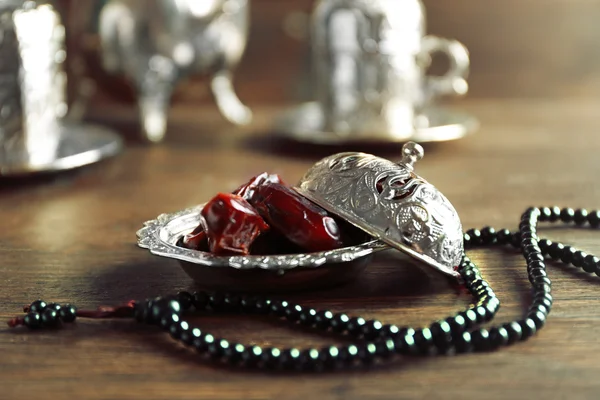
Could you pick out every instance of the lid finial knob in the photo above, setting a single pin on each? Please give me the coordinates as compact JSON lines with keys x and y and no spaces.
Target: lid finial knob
{"x":411,"y":153}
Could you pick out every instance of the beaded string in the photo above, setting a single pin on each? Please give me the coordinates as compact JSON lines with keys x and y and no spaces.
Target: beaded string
{"x":459,"y":333}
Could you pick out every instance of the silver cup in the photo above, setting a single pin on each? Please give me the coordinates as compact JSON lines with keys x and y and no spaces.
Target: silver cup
{"x":33,"y":105}
{"x":157,"y":43}
{"x":370,"y":60}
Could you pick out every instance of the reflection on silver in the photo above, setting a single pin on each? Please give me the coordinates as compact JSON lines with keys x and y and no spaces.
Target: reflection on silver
{"x":252,"y":273}
{"x":157,"y":43}
{"x":161,"y":235}
{"x":370,"y":59}
{"x":33,"y":137}
{"x":391,"y":203}
{"x":306,"y":124}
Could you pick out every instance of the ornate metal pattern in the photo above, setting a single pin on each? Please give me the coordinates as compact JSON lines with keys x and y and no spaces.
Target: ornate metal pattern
{"x":390,"y":202}
{"x":161,"y":235}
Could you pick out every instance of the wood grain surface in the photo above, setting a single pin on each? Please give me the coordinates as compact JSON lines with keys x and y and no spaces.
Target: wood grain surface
{"x":71,"y":237}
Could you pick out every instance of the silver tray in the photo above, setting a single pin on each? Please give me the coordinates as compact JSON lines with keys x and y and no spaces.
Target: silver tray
{"x":255,"y":272}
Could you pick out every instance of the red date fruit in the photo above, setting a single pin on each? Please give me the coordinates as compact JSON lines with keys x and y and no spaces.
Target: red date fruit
{"x":301,"y":221}
{"x":232,"y":224}
{"x":195,"y":239}
{"x":248,"y":189}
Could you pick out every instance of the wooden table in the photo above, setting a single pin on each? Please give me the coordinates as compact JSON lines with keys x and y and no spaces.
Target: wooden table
{"x":72,"y":238}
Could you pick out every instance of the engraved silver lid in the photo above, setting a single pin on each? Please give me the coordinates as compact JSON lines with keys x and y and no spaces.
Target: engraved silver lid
{"x":390,"y":202}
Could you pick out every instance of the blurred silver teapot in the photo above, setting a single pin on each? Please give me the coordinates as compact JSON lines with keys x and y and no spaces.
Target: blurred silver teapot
{"x":156,"y":43}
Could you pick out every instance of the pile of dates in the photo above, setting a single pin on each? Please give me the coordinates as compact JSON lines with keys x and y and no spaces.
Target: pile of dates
{"x":264,"y":216}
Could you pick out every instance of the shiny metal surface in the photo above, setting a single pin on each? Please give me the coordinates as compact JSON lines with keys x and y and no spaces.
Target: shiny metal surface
{"x":305,"y":123}
{"x":33,"y":135}
{"x":78,"y":145}
{"x":370,"y":59}
{"x":155,"y":44}
{"x":391,"y":203}
{"x":161,"y":235}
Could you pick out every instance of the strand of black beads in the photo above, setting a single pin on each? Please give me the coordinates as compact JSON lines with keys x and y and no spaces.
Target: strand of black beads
{"x":454,"y":334}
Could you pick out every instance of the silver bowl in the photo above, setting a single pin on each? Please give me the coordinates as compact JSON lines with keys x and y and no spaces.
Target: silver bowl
{"x":270,"y":273}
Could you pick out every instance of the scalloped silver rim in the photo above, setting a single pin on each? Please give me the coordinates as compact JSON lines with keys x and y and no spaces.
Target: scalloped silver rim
{"x":152,"y":237}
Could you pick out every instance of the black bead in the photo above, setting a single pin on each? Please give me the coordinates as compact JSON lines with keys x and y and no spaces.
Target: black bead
{"x":488,"y":235}
{"x":515,"y":240}
{"x":323,"y":319}
{"x":470,"y":318}
{"x":329,"y":356}
{"x":232,"y":302}
{"x":309,"y":359}
{"x":475,"y":236}
{"x":67,"y":313}
{"x":233,"y":353}
{"x":262,"y":306}
{"x":37,"y":306}
{"x":348,"y":354}
{"x":442,"y":335}
{"x":590,"y":263}
{"x":371,"y":329}
{"x":200,"y":300}
{"x":49,"y":318}
{"x":289,"y":358}
{"x":389,"y":331}
{"x":186,"y":333}
{"x":195,"y":336}
{"x":292,"y":313}
{"x":545,"y":214}
{"x":405,"y":344}
{"x":366,"y":352}
{"x":251,"y":355}
{"x":32,"y":320}
{"x":594,"y":218}
{"x":544,"y":245}
{"x":542,"y":285}
{"x":185,"y":300}
{"x":480,"y":339}
{"x":528,"y":328}
{"x":556,"y":250}
{"x":580,"y":216}
{"x":278,"y":308}
{"x":544,"y":299}
{"x":424,"y":340}
{"x":179,"y":328}
{"x":163,"y":306}
{"x":503,"y":236}
{"x":216,"y":300}
{"x":498,"y":337}
{"x":385,"y":348}
{"x":515,"y":332}
{"x":355,"y":325}
{"x":567,"y":254}
{"x":567,"y":215}
{"x":533,"y":257}
{"x":467,"y":240}
{"x":339,"y":322}
{"x":463,"y":343}
{"x":538,"y":318}
{"x":54,"y":306}
{"x":555,"y":214}
{"x":217,"y":349}
{"x":307,"y":316}
{"x":271,"y":357}
{"x":482,"y":314}
{"x":457,"y":324}
{"x":579,"y":258}
{"x":247,"y":303}
{"x":203,"y":342}
{"x":167,"y":320}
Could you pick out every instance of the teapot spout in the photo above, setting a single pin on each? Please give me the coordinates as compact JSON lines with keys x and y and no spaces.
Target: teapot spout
{"x":227,"y":100}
